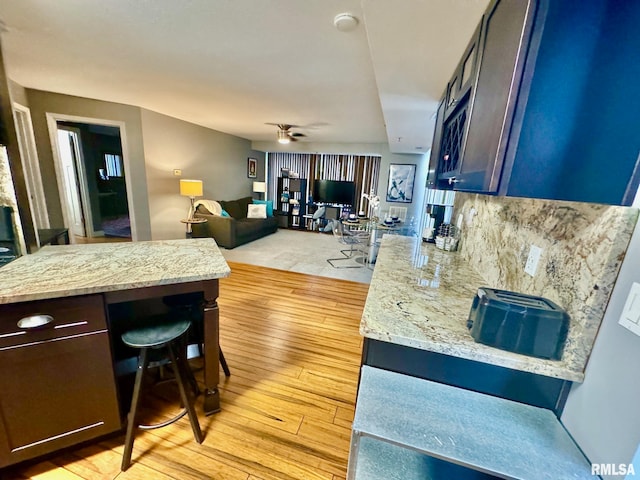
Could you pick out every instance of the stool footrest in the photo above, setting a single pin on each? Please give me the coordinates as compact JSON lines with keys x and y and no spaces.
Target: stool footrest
{"x":165,"y":423}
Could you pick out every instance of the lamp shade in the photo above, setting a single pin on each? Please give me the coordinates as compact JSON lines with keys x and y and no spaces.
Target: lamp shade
{"x":191,"y":188}
{"x":259,"y":187}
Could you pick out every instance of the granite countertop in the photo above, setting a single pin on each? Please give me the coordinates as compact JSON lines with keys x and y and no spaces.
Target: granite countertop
{"x":421,"y":296}
{"x":64,"y":270}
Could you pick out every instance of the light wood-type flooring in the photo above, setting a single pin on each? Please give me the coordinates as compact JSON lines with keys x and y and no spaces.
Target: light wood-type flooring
{"x":292,"y":343}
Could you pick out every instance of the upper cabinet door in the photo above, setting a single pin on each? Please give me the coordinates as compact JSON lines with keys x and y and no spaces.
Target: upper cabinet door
{"x":453,"y":129}
{"x":464,"y":77}
{"x":504,"y":39}
{"x":434,"y":158}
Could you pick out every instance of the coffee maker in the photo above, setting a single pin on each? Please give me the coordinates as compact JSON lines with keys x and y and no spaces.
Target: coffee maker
{"x":438,"y":210}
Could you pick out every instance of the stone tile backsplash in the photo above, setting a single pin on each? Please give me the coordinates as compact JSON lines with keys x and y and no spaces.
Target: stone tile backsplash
{"x":583,"y":247}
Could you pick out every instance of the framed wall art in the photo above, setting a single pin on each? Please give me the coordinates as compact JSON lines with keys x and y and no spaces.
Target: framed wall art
{"x":252,"y":167}
{"x":400,"y":186}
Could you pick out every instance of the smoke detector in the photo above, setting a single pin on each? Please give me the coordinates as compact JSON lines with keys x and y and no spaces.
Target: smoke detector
{"x":345,"y":22}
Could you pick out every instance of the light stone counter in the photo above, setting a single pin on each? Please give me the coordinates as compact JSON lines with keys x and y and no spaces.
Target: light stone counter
{"x":421,"y":296}
{"x":65,"y":270}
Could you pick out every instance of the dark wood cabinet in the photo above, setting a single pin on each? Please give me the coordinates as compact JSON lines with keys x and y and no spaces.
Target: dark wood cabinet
{"x":57,"y":381}
{"x":524,"y":387}
{"x":506,"y":28}
{"x":455,"y":115}
{"x":553,"y":111}
{"x":464,"y":76}
{"x":434,"y":158}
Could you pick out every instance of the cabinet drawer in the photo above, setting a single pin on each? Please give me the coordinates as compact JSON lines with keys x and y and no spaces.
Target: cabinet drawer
{"x":69,"y":316}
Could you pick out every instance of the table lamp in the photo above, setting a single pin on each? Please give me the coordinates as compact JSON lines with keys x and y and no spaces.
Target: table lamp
{"x":191,"y":189}
{"x":259,"y":187}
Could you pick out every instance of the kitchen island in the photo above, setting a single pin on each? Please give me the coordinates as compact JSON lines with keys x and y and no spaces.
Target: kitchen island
{"x":58,"y":381}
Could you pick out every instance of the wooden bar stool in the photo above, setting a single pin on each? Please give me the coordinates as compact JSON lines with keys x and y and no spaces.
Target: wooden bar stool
{"x":159,"y":334}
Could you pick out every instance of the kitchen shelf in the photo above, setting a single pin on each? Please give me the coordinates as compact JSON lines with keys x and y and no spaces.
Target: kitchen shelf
{"x":424,"y":421}
{"x":379,"y":460}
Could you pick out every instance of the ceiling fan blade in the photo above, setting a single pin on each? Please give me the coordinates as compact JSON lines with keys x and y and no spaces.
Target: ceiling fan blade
{"x":297,"y":134}
{"x":283,"y":126}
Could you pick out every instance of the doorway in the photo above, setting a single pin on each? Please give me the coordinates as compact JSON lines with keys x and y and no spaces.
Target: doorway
{"x":71,"y":162}
{"x":31,"y":166}
{"x":91,"y":168}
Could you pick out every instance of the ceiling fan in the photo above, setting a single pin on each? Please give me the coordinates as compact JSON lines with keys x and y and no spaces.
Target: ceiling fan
{"x":285,"y":135}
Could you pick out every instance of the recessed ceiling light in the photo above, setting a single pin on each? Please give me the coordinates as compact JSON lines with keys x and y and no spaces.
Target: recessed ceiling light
{"x":345,"y":22}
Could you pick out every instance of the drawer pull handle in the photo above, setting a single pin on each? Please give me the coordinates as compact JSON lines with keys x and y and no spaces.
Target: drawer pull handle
{"x":35,"y":322}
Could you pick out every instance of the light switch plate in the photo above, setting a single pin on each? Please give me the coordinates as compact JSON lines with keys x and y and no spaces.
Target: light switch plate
{"x":532,"y":260}
{"x":630,"y":317}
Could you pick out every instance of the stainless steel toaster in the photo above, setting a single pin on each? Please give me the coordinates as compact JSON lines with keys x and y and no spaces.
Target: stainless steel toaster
{"x":519,"y":323}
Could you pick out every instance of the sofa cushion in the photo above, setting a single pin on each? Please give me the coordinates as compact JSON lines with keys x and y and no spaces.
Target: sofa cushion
{"x":237,"y":208}
{"x":268,"y":203}
{"x":249,"y":227}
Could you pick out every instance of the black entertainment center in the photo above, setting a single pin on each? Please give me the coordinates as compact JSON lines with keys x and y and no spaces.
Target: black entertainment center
{"x":293,"y":207}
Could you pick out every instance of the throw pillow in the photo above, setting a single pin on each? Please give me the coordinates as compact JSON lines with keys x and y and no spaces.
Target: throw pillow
{"x":224,"y":213}
{"x":237,"y":208}
{"x":268,"y":203}
{"x":257,"y":211}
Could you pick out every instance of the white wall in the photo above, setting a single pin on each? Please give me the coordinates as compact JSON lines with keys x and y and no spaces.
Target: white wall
{"x":602,"y":413}
{"x":414,"y":209}
{"x":216,"y":158}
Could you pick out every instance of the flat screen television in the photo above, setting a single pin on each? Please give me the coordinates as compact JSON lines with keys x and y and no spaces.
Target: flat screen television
{"x":334,"y":191}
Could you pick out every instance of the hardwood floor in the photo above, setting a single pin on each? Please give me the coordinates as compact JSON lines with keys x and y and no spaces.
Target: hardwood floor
{"x":292,"y":343}
{"x":78,"y":239}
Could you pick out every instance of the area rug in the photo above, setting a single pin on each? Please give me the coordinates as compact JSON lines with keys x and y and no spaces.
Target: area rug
{"x":299,"y":251}
{"x":117,"y":227}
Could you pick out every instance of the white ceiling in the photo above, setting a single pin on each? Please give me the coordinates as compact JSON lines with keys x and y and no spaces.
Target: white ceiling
{"x":234,"y":65}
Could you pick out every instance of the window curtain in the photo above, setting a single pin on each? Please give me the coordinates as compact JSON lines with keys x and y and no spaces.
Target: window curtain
{"x":363,"y":170}
{"x":295,"y":162}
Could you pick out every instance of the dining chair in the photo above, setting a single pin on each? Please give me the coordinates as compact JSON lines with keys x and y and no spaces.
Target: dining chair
{"x":357,"y":241}
{"x":400,"y":212}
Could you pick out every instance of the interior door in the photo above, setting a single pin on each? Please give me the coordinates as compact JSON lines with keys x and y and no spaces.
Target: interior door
{"x":29,"y":154}
{"x":68,"y":146}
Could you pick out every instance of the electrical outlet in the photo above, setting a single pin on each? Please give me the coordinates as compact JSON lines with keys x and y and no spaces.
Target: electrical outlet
{"x":532,"y":260}
{"x":177,"y":172}
{"x":630,"y":317}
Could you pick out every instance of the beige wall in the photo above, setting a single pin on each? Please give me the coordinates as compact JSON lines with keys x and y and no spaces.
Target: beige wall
{"x":218,"y":159}
{"x":41,"y":103}
{"x":158,"y":144}
{"x":414,"y":209}
{"x":18,"y":94}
